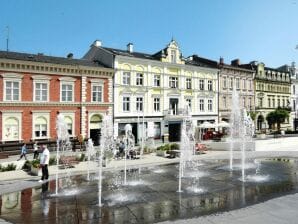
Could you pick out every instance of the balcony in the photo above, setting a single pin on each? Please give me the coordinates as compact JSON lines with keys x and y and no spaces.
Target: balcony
{"x":179,"y":113}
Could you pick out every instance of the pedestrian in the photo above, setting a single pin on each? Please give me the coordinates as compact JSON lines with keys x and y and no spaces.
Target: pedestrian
{"x":23,"y":152}
{"x":44,"y":163}
{"x":35,"y":151}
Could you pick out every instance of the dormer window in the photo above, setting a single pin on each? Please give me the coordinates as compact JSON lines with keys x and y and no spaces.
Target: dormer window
{"x":173,"y":56}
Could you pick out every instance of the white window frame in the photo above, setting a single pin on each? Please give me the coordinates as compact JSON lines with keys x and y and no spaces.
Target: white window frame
{"x":46,"y":116}
{"x":15,"y":115}
{"x":231,"y":82}
{"x":97,"y":84}
{"x":244,"y":84}
{"x":126,"y":77}
{"x":201,"y":84}
{"x":41,"y":79}
{"x":210,"y":105}
{"x":12,"y":77}
{"x":201,"y":105}
{"x":156,"y":80}
{"x":139,"y":79}
{"x":173,"y":56}
{"x":210,"y":85}
{"x":189,"y":103}
{"x":224,"y":99}
{"x":139,"y":103}
{"x":156,"y":104}
{"x":173,"y":82}
{"x":237,"y":83}
{"x":126,"y":104}
{"x":188,"y":83}
{"x":67,"y":81}
{"x":224,"y":82}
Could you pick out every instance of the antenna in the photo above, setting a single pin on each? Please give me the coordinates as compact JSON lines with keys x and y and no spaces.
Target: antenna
{"x":7,"y":38}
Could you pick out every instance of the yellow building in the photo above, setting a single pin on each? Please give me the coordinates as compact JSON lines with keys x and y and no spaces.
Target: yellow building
{"x":152,"y":92}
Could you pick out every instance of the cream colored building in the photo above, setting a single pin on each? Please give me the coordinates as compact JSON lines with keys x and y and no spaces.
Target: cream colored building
{"x":153,"y":91}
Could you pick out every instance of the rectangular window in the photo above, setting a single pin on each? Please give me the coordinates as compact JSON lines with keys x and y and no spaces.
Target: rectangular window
{"x":260,"y":102}
{"x":244,"y":84}
{"x":173,"y":56}
{"x":294,"y":90}
{"x":188,"y":103}
{"x":12,"y":90}
{"x":210,"y":105}
{"x":294,"y":105}
{"x":126,"y":104}
{"x":156,"y":105}
{"x":210,"y":85}
{"x":40,"y":130}
{"x":173,"y":83}
{"x":41,"y":91}
{"x":224,"y":99}
{"x":224,"y":82}
{"x":201,"y":103}
{"x":66,"y":92}
{"x":283,"y":103}
{"x":139,"y":80}
{"x":273,"y":103}
{"x":237,"y":83}
{"x":201,"y":84}
{"x":188,"y":83}
{"x":244,"y":102}
{"x":126,"y":78}
{"x":278,"y":102}
{"x":156,"y":80}
{"x":139,"y":104}
{"x":269,"y":102}
{"x":231,"y":83}
{"x":96,"y":93}
{"x":250,"y":84}
{"x":250,"y":104}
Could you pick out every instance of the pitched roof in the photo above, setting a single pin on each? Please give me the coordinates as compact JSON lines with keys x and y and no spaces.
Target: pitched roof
{"x":47,"y":59}
{"x":130,"y":54}
{"x":202,"y":62}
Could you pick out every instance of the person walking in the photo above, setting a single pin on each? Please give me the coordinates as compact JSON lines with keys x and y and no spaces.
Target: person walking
{"x":35,"y":151}
{"x":23,"y":152}
{"x":44,"y":163}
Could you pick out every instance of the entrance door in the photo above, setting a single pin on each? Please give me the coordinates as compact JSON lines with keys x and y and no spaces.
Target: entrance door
{"x":94,"y":128}
{"x":174,"y":132}
{"x":174,"y":105}
{"x":95,"y":136}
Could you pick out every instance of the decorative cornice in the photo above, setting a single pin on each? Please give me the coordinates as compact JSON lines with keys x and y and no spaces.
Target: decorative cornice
{"x":58,"y":104}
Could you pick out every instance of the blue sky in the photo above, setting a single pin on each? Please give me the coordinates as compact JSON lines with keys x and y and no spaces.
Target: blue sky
{"x":263,"y":30}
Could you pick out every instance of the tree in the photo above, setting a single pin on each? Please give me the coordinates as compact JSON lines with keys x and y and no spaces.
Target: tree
{"x":252,"y":115}
{"x":278,"y":116}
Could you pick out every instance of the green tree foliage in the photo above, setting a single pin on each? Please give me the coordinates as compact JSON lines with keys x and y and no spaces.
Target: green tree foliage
{"x":278,"y":116}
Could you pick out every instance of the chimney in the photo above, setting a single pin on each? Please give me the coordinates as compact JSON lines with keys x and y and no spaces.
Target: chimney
{"x":97,"y":43}
{"x":221,"y":60}
{"x":70,"y":55}
{"x":235,"y":62}
{"x":130,"y":47}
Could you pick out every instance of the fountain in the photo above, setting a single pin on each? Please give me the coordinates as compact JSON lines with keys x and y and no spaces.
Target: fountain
{"x":62,"y":142}
{"x":187,"y":146}
{"x":90,"y":153}
{"x":129,"y":142}
{"x":106,"y":144}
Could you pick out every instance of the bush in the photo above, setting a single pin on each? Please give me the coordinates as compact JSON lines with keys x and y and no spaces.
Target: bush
{"x":9,"y":167}
{"x":165,"y":147}
{"x":35,"y":163}
{"x":27,"y":165}
{"x":174,"y":146}
{"x":52,"y":161}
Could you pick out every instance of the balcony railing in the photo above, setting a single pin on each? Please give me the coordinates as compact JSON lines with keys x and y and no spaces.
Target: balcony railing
{"x":176,"y":112}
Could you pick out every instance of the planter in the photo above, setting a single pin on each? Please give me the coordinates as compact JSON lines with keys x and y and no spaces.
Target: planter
{"x":161,"y":153}
{"x":35,"y":171}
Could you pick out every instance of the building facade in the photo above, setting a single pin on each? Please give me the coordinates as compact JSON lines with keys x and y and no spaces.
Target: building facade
{"x":153,"y":91}
{"x":272,"y":90}
{"x":35,"y":88}
{"x":231,"y":77}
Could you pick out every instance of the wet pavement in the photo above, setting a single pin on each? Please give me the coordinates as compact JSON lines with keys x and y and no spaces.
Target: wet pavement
{"x":151,"y":194}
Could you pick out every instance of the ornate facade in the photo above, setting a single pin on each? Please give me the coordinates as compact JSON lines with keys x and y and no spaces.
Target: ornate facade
{"x":35,"y":88}
{"x":153,"y":91}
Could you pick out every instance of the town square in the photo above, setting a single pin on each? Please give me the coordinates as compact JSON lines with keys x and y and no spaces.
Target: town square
{"x":148,"y":111}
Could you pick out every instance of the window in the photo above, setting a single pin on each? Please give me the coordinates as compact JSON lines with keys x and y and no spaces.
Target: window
{"x":41,"y":91}
{"x":294,"y":90}
{"x":11,"y":129}
{"x":173,"y":82}
{"x":156,"y":104}
{"x":237,"y":83}
{"x":40,"y":127}
{"x":210,"y":103}
{"x":269,"y":102}
{"x":201,"y":103}
{"x":173,"y":56}
{"x":224,"y":99}
{"x":231,"y":83}
{"x":68,"y":120}
{"x":294,"y":105}
{"x":188,"y":83}
{"x":244,"y":84}
{"x":250,"y":84}
{"x":139,"y":104}
{"x":126,"y":78}
{"x":126,"y":104}
{"x":12,"y":90}
{"x":278,"y":102}
{"x":244,"y":102}
{"x":283,"y":103}
{"x":273,"y":103}
{"x":156,"y":80}
{"x":139,"y":80}
{"x":201,"y":84}
{"x":188,"y":103}
{"x":260,"y":102}
{"x":210,"y":84}
{"x":224,"y":82}
{"x":97,"y":93}
{"x":250,"y":103}
{"x":66,"y":92}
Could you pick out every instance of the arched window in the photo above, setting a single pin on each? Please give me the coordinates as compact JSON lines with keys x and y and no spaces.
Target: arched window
{"x":11,"y":129}
{"x":40,"y":127}
{"x":68,"y":120}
